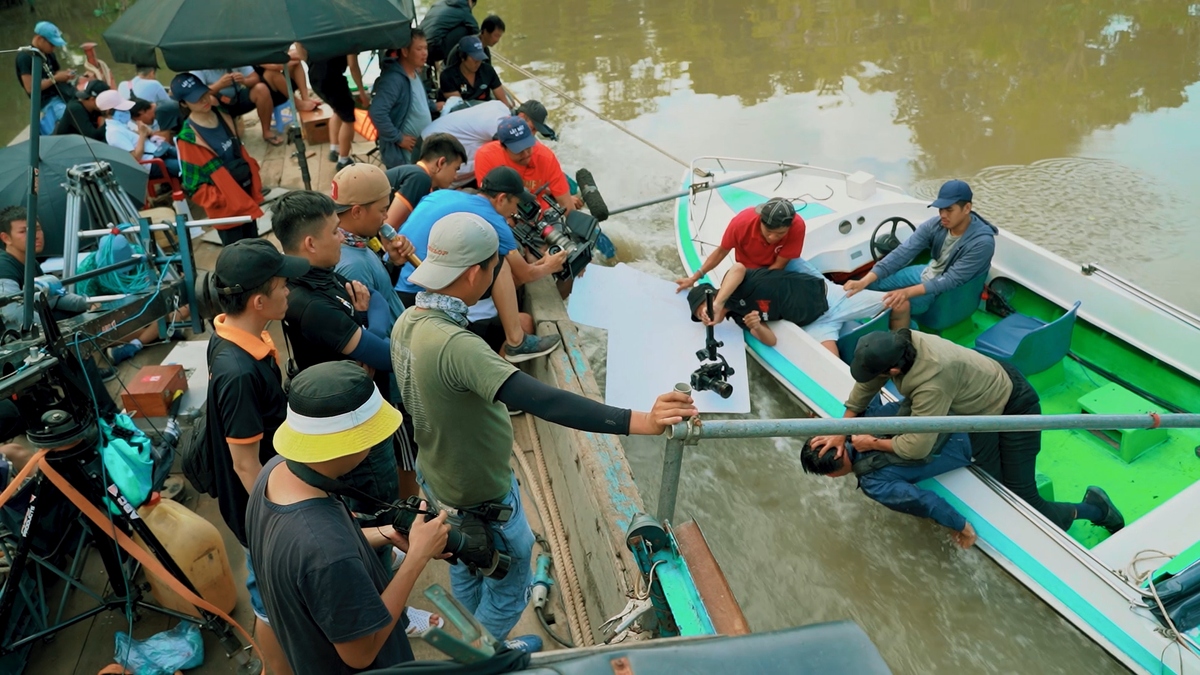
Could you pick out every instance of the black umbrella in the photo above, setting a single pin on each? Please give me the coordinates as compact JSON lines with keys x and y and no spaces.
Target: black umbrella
{"x":59,"y":153}
{"x":196,"y":34}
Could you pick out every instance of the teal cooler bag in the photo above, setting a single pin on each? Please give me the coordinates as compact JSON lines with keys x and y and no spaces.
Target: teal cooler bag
{"x":127,"y":461}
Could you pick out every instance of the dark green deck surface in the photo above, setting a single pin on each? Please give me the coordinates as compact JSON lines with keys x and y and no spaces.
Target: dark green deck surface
{"x":1073,"y":460}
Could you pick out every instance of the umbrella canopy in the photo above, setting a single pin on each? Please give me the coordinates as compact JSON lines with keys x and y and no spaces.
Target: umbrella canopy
{"x":198,"y":34}
{"x":58,"y":154}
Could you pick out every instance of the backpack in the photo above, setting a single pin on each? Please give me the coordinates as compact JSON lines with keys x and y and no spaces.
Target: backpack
{"x":196,"y":448}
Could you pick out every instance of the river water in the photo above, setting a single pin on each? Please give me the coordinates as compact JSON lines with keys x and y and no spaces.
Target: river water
{"x":1077,"y":124}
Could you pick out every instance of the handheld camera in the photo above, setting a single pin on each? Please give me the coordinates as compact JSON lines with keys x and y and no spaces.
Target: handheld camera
{"x":470,"y":541}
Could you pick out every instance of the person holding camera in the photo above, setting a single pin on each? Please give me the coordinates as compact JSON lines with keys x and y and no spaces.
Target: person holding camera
{"x":496,"y":318}
{"x":458,"y":389}
{"x":335,"y":610}
{"x":246,"y":402}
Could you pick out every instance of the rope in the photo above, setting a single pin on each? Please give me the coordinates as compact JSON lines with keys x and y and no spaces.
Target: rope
{"x":583,"y":105}
{"x":1147,"y":577}
{"x":539,"y":485}
{"x":129,"y":280}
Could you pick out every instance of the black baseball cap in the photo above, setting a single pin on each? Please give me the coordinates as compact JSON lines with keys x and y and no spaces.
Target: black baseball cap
{"x":876,"y":354}
{"x":92,"y":89}
{"x":776,"y":213}
{"x":247,"y":264}
{"x":506,"y":179}
{"x":536,"y":112}
{"x":696,"y":297}
{"x":187,"y":87}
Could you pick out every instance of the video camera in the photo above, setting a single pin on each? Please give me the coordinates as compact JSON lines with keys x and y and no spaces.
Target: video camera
{"x":575,"y":232}
{"x":714,"y":373}
{"x":469,"y":542}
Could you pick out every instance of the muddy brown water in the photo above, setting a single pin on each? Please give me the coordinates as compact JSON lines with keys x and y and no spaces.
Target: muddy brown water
{"x":1076,"y":123}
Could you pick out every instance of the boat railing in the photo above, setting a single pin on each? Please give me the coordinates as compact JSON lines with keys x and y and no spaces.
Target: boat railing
{"x":692,"y":431}
{"x":1166,"y":306}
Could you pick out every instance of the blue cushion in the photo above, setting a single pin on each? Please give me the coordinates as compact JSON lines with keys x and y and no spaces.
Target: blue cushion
{"x":1001,"y":341}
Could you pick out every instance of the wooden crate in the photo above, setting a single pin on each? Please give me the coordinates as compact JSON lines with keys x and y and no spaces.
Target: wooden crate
{"x":153,"y":389}
{"x":315,"y":125}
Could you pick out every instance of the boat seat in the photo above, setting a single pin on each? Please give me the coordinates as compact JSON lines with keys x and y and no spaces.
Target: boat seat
{"x":953,"y":306}
{"x":847,"y":343}
{"x":1030,"y":344}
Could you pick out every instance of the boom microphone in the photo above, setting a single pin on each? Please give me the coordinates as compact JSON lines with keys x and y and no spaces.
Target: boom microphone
{"x":591,"y":194}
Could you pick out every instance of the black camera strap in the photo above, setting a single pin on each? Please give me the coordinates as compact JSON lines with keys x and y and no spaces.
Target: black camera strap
{"x":337,"y":487}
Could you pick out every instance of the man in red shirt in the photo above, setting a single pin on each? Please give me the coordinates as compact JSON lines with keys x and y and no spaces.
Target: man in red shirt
{"x":769,"y":235}
{"x":519,"y":149}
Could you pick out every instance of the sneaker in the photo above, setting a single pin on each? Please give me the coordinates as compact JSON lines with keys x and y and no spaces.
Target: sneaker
{"x":530,"y":644}
{"x":333,"y":156}
{"x":343,"y":163}
{"x":122,"y":353}
{"x":531,"y":348}
{"x":108,"y":374}
{"x":1112,"y":521}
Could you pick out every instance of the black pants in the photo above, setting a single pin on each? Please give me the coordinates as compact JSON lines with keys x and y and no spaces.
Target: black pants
{"x":1011,"y":457}
{"x":239,"y":232}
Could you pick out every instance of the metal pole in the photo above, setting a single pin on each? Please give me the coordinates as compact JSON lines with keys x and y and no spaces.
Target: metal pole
{"x":35,"y":115}
{"x":668,"y":489}
{"x":297,"y":133}
{"x":703,"y":188}
{"x":948,"y":424}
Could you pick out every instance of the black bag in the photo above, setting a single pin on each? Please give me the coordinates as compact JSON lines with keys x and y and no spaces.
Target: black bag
{"x":196,"y":447}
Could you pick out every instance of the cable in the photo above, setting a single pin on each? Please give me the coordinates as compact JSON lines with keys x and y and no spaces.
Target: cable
{"x":541,"y":616}
{"x":581,"y":104}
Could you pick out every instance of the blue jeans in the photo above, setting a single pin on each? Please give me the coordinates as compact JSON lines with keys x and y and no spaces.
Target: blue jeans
{"x":498,"y":603}
{"x":52,"y":112}
{"x":256,"y":603}
{"x":908,"y":276}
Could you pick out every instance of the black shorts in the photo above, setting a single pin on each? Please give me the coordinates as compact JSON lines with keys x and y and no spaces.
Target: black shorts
{"x":240,"y":104}
{"x":278,"y":98}
{"x":335,"y":91}
{"x":491,"y":330}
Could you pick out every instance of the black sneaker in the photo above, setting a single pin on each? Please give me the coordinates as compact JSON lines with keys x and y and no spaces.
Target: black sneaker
{"x":1112,"y":521}
{"x":531,"y":348}
{"x":343,"y":163}
{"x":333,"y":155}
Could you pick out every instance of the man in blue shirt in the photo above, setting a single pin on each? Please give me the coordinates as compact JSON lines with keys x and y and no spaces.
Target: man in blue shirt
{"x":960,"y":244}
{"x":495,"y":318}
{"x":892,"y":481}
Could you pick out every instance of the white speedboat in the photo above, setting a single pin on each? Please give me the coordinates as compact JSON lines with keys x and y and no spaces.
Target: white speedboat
{"x":1123,"y":351}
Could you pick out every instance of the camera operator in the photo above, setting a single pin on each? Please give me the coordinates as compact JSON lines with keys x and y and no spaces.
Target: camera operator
{"x":246,"y":403}
{"x":519,"y":149}
{"x":497,"y":320}
{"x":458,"y":388}
{"x":335,"y":609}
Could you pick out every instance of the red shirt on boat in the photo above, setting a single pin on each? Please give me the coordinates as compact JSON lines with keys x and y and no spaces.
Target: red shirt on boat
{"x":744,"y":237}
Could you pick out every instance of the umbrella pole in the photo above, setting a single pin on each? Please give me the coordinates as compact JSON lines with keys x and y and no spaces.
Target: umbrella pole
{"x":295,"y":134}
{"x":35,"y":114}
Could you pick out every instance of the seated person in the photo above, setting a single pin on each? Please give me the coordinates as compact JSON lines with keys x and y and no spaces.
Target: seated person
{"x":892,"y":481}
{"x":441,"y":157}
{"x":752,"y":297}
{"x":519,"y":149}
{"x":135,"y":136}
{"x":148,"y":113}
{"x":960,"y":242}
{"x":272,"y":74}
{"x":239,"y":91}
{"x":145,"y":85}
{"x":769,"y":235}
{"x":472,"y":78}
{"x":81,"y":115}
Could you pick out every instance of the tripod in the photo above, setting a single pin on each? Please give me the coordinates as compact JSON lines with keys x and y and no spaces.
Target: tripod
{"x":80,"y":465}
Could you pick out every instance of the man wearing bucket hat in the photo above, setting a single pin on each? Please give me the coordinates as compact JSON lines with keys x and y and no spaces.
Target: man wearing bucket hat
{"x":458,"y":388}
{"x":960,"y":243}
{"x":335,"y":610}
{"x":942,"y":378}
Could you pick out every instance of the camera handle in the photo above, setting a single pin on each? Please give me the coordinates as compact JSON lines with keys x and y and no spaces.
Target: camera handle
{"x":709,"y":353}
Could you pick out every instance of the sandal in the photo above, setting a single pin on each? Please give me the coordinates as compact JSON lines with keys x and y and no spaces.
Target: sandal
{"x":419,"y":621}
{"x":273,"y":139}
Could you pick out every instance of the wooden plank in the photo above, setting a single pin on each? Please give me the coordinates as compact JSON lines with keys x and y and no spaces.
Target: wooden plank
{"x":589,"y":473}
{"x":718,"y":598}
{"x":60,"y":656}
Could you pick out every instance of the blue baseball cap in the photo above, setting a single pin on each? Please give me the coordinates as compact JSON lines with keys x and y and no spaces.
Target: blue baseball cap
{"x":952,"y":192}
{"x":515,"y":135}
{"x":472,"y":46}
{"x":50,"y":32}
{"x":188,"y":87}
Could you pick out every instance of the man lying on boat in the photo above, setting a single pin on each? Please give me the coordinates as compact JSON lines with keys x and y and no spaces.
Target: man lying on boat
{"x":805,"y":298}
{"x":892,"y":480}
{"x":942,"y":378}
{"x":960,"y":243}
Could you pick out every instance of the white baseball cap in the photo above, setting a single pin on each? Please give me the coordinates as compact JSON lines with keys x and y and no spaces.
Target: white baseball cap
{"x":112,"y":100}
{"x":457,"y":243}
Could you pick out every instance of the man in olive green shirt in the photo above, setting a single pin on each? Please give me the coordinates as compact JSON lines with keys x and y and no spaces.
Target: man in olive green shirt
{"x":938,"y":377}
{"x":456,"y":389}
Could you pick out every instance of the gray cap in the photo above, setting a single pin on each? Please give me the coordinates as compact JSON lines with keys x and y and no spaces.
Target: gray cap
{"x":457,"y":242}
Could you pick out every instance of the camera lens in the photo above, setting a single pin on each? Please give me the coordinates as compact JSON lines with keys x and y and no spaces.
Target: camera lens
{"x":723,"y":389}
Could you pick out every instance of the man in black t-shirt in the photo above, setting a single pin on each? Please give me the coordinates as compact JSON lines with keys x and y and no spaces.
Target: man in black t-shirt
{"x":441,"y":156}
{"x":52,"y":81}
{"x":82,"y":116}
{"x":472,"y":78}
{"x":246,"y":402}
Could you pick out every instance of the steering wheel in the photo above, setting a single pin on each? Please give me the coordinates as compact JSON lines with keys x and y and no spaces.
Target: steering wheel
{"x":883,"y":245}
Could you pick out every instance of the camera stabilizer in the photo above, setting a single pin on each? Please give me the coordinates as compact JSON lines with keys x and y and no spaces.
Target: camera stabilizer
{"x":575,"y":232}
{"x":714,"y":371}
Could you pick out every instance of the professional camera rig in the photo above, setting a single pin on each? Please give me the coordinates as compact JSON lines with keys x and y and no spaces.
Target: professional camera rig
{"x":714,"y":372}
{"x":557,"y":230}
